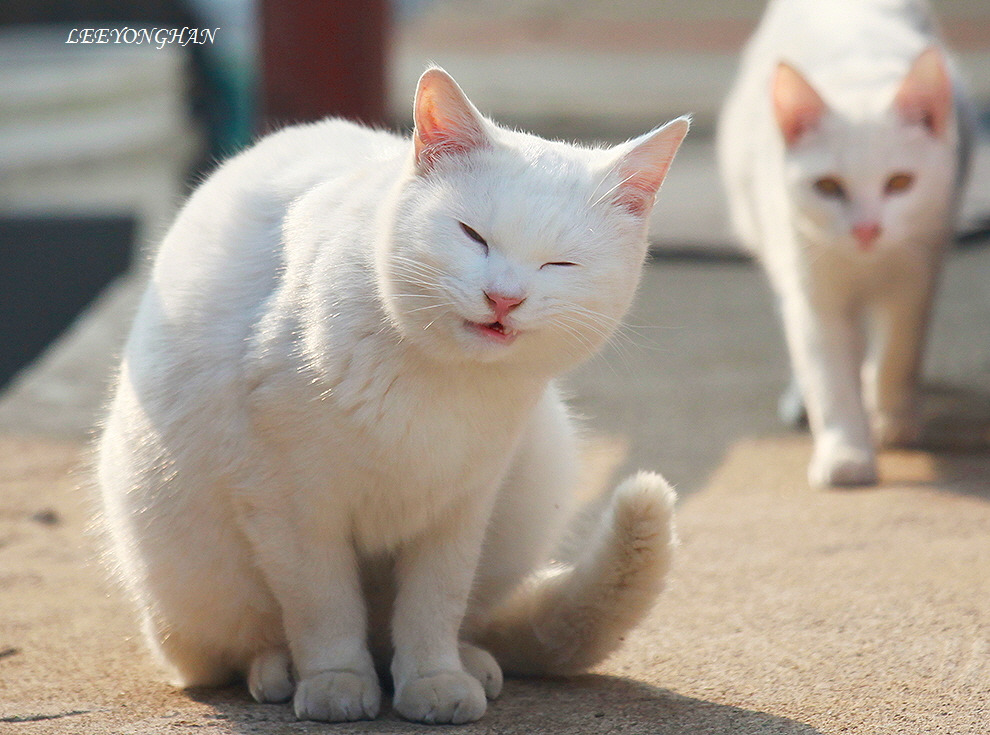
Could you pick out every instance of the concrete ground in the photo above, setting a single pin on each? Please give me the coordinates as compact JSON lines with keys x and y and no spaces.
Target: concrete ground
{"x":789,"y":610}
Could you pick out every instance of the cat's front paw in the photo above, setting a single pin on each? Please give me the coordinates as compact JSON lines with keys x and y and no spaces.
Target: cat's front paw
{"x":338,"y":696}
{"x":450,"y":697}
{"x":842,"y":465}
{"x":482,"y":666}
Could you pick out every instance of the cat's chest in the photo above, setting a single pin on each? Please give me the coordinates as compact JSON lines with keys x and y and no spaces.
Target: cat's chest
{"x":434,"y":429}
{"x":417,"y":448}
{"x":393,"y":442}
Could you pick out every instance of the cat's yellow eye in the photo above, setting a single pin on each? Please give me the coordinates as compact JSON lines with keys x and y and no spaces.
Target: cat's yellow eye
{"x":831,"y":187}
{"x":898,"y":183}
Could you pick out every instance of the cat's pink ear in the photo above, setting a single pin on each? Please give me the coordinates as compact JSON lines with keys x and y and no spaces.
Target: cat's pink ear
{"x":925,"y":96}
{"x":642,"y":169}
{"x":796,"y":105}
{"x":446,"y":121}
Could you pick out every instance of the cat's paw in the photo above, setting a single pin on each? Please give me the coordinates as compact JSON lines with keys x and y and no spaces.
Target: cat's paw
{"x":338,"y":696}
{"x":482,"y":666}
{"x":270,"y":676}
{"x":842,"y":465}
{"x":450,"y":697}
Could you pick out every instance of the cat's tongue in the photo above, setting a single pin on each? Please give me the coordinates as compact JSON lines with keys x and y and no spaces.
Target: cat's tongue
{"x":495,"y":331}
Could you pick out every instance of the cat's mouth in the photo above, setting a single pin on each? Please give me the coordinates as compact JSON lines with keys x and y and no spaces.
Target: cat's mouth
{"x":494,"y":331}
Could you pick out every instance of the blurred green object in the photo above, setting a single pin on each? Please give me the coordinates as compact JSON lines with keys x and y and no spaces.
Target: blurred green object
{"x":228,"y":70}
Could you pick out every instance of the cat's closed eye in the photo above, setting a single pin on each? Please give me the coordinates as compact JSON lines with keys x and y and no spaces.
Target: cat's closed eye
{"x":898,"y":183}
{"x":473,"y":234}
{"x":831,"y":187}
{"x":557,"y":263}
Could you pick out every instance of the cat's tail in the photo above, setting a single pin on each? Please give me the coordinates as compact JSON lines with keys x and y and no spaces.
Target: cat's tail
{"x":566,"y":619}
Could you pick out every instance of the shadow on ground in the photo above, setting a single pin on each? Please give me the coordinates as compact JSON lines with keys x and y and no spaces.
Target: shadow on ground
{"x":956,"y":419}
{"x":956,"y":430}
{"x":951,"y":454}
{"x":586,"y":704}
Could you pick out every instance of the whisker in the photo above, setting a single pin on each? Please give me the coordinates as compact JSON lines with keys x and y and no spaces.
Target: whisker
{"x":424,"y":308}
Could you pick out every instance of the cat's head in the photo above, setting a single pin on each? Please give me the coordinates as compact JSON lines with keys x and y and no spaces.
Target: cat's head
{"x":873,"y":170}
{"x":507,"y":247}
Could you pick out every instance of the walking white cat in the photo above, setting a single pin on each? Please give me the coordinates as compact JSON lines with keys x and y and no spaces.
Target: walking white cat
{"x":842,"y":150}
{"x":336,"y":440}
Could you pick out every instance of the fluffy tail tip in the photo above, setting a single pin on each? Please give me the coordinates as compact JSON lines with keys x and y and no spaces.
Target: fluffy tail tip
{"x":643,"y":508}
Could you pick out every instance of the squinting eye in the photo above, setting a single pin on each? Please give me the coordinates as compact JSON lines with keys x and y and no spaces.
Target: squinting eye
{"x":470,"y":232}
{"x":830,"y":187}
{"x":559,"y":262}
{"x":898,"y":183}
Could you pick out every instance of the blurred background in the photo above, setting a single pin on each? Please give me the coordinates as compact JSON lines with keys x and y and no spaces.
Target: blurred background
{"x":100,"y":142}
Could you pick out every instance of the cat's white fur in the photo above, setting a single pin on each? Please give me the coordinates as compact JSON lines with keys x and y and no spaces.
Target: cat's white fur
{"x":855,"y":92}
{"x":318,"y":453}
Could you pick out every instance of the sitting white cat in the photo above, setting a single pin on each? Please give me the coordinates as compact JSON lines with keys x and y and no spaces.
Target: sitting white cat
{"x":336,"y":441}
{"x":843,"y":149}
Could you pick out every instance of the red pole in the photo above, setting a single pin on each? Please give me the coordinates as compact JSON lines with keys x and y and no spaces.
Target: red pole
{"x":322,"y":57}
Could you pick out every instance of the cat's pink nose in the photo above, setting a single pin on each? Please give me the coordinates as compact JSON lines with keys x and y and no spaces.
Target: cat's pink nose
{"x":502,"y":304}
{"x":866,"y":234}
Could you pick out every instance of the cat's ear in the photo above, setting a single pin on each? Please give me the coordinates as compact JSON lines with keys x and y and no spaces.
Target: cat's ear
{"x":925,"y":96}
{"x":643,"y":165}
{"x":446,"y":121}
{"x":796,"y":105}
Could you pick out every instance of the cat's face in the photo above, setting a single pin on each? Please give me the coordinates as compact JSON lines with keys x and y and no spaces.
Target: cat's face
{"x":879,"y":180}
{"x":869,"y":185}
{"x":507,"y":247}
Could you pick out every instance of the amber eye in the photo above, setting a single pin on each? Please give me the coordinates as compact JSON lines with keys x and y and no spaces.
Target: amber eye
{"x":831,"y":187}
{"x":470,"y":232}
{"x":898,"y":183}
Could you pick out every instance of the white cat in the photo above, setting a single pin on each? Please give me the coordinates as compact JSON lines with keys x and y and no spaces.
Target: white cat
{"x":842,"y":150}
{"x":336,"y":433}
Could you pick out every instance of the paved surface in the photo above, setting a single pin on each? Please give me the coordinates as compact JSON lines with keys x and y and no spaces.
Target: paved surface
{"x":788,"y":611}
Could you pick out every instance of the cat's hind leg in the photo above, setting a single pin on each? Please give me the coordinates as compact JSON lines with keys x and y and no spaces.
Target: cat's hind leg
{"x":270,"y":676}
{"x":209,"y":640}
{"x":191,"y":663}
{"x":482,"y":666}
{"x":156,"y":521}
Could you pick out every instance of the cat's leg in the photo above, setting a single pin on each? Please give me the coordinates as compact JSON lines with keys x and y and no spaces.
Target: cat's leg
{"x":313,"y":573}
{"x":192,"y":662}
{"x":159,"y":507}
{"x":434,"y":574}
{"x":482,"y":666}
{"x":826,"y":348}
{"x":893,"y":373}
{"x":790,"y":407}
{"x":270,"y":676}
{"x":533,"y":507}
